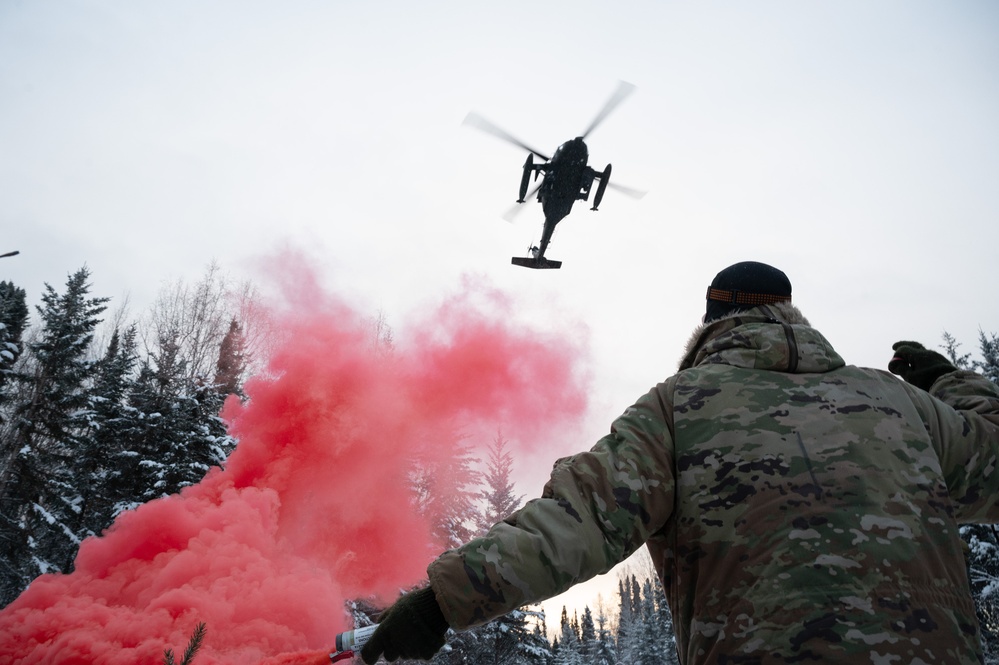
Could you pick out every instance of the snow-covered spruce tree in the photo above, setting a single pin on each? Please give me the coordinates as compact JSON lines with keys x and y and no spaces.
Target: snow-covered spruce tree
{"x":537,"y":649}
{"x":155,"y":440}
{"x":105,"y":444}
{"x":209,"y":442}
{"x":982,"y":540}
{"x":176,"y":435}
{"x":508,"y":640}
{"x":519,"y":637}
{"x":664,"y":623}
{"x":41,"y":490}
{"x":443,"y":487}
{"x":657,"y":644}
{"x":498,"y":497}
{"x":983,"y":571}
{"x":950,"y":348}
{"x":628,"y":620}
{"x":649,"y":651}
{"x":645,"y":627}
{"x":587,"y":635}
{"x":988,"y":366}
{"x":13,"y":320}
{"x":604,"y":651}
{"x":568,"y":651}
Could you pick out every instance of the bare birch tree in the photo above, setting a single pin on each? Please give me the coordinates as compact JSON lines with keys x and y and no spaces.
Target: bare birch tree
{"x":198,"y":318}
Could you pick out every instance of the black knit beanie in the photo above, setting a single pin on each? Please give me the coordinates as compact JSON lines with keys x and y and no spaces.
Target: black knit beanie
{"x":745,"y":285}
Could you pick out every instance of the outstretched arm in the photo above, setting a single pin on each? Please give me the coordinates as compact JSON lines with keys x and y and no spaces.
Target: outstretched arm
{"x":597,"y":509}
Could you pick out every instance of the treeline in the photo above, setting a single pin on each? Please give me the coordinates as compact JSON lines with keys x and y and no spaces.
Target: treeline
{"x":639,"y":632}
{"x":90,"y":427}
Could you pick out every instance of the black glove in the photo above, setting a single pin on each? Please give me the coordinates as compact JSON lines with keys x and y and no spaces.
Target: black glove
{"x":918,"y":365}
{"x":414,"y":627}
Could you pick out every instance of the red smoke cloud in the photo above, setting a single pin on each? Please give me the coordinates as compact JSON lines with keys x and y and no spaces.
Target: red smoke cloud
{"x":313,"y":506}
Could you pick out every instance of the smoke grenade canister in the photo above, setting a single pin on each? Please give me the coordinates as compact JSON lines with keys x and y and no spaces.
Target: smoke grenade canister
{"x":353,"y":640}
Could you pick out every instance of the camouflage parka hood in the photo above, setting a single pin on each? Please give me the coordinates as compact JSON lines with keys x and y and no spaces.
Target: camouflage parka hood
{"x":770,"y":337}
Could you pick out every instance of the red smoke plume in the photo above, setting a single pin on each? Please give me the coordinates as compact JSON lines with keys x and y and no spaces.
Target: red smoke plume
{"x":313,"y":506}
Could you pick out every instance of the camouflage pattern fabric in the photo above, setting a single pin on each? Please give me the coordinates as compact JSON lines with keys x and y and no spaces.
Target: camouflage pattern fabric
{"x":796,"y":509}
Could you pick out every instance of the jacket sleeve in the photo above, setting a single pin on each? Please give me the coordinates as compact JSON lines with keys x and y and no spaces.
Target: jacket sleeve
{"x":597,"y":508}
{"x":963,"y":421}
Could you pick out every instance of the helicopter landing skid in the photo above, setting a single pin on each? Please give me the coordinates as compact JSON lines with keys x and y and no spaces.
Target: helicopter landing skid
{"x":541,"y":263}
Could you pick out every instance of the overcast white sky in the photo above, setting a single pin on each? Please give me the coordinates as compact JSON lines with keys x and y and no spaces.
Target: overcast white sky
{"x":853,"y":144}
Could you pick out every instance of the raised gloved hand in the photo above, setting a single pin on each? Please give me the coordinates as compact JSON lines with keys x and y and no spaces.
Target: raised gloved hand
{"x":414,"y":627}
{"x":918,"y":365}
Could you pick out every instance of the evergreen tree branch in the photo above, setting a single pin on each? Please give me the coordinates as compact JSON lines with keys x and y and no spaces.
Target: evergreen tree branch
{"x":197,"y":639}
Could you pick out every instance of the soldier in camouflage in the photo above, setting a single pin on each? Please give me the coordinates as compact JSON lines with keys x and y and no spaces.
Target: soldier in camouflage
{"x":797,"y":509}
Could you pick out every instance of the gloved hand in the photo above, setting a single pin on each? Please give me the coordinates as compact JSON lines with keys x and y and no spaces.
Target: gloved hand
{"x":414,"y":627}
{"x":918,"y":365}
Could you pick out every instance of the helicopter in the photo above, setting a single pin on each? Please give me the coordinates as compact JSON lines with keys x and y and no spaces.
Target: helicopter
{"x":566,"y":177}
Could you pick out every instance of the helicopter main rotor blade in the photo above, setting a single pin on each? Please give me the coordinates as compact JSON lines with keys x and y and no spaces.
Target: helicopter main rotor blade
{"x":511,"y":214}
{"x":627,"y":191}
{"x":623,"y":90}
{"x":475,"y":120}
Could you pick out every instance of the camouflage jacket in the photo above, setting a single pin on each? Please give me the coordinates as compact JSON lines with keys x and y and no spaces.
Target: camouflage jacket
{"x":796,"y":509}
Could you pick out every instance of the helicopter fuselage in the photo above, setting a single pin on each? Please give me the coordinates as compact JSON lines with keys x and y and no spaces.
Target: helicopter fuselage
{"x":566,"y":176}
{"x":567,"y":179}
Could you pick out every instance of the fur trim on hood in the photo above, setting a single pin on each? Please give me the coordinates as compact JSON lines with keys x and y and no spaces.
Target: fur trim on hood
{"x":784,"y":311}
